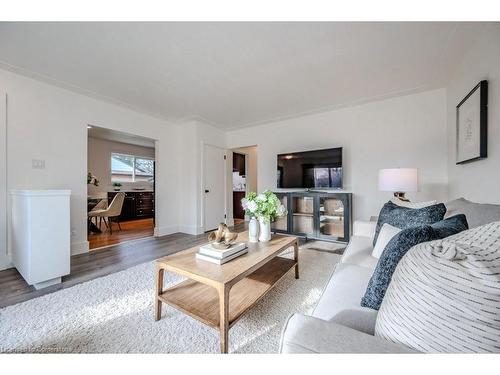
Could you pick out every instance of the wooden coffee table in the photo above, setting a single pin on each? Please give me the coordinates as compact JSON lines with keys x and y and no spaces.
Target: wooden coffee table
{"x":219,"y":295}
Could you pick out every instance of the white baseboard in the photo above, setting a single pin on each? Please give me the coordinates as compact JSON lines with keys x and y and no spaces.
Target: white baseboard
{"x":191,"y":229}
{"x":76,"y":248}
{"x":164,"y":231}
{"x":79,"y":247}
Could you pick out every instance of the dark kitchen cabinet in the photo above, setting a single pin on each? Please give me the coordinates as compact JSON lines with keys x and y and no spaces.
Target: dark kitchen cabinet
{"x":144,"y":205}
{"x":137,"y":205}
{"x":239,"y":163}
{"x":238,"y":212}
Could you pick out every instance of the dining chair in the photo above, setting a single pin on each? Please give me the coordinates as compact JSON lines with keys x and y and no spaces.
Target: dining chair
{"x":112,"y":213}
{"x":101,"y":205}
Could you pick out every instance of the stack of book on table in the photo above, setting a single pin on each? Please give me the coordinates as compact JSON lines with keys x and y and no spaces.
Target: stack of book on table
{"x":211,"y":254}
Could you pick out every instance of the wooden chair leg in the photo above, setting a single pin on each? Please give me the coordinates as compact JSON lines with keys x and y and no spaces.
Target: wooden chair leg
{"x":105,"y":223}
{"x":118,"y":222}
{"x":110,"y":222}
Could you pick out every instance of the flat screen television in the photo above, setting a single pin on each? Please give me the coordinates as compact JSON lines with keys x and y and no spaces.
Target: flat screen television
{"x":316,"y":169}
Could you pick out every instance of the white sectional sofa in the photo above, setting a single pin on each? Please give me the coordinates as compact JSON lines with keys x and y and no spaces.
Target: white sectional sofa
{"x":339,"y":324}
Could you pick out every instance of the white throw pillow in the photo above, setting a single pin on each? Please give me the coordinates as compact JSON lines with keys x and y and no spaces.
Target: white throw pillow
{"x":386,"y":233}
{"x":401,"y":203}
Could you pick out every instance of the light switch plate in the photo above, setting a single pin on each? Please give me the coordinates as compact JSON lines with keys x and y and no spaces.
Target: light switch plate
{"x":38,"y":164}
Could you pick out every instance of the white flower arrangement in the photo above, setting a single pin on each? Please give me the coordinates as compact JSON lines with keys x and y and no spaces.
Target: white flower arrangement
{"x":264,"y":206}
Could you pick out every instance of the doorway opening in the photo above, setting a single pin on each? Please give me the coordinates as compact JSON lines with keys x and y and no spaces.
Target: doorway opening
{"x":244,"y":179}
{"x":120,"y":187}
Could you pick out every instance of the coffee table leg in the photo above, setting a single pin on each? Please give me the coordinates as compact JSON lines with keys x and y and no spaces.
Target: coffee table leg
{"x":224,"y":318}
{"x":159,"y":290}
{"x":296,"y":258}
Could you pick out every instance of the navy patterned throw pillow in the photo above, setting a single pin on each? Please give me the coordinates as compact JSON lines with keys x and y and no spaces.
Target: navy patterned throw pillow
{"x":398,"y":246}
{"x":450,"y":226}
{"x":404,"y":217}
{"x":392,"y":254}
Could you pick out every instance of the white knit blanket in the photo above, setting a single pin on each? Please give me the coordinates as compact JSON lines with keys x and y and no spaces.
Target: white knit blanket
{"x":445,"y":295}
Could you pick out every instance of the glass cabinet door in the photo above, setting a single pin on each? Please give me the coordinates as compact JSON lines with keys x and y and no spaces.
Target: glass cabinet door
{"x":303,"y":215}
{"x":315,"y":215}
{"x":281,"y":224}
{"x":331,"y":217}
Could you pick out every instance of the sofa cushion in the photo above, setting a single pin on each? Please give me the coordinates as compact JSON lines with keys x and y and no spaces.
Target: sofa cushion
{"x":403,"y":217}
{"x":359,"y":252}
{"x":360,"y":320}
{"x":444,"y":296}
{"x":343,"y":292}
{"x":306,"y":334}
{"x":476,"y":213}
{"x":364,"y":228}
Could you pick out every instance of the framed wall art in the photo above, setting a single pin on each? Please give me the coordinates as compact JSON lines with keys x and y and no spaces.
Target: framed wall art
{"x":472,"y":131}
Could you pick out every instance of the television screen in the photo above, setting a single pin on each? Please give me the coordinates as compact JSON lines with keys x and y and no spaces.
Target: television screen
{"x":311,"y":169}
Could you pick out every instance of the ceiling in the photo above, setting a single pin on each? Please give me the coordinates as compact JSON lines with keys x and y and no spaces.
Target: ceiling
{"x":116,"y":136}
{"x":237,"y":74}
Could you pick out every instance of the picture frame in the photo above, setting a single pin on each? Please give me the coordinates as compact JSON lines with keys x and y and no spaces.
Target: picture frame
{"x":471,"y":125}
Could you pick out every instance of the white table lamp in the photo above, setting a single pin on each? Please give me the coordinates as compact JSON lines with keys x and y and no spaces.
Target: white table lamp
{"x":398,"y":180}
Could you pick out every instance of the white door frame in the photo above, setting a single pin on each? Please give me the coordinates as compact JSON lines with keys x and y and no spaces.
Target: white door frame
{"x":156,"y":228}
{"x":202,"y":184}
{"x":4,"y":257}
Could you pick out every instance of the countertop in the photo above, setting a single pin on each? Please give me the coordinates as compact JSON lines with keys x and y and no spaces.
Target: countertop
{"x":105,"y":195}
{"x":131,"y":191}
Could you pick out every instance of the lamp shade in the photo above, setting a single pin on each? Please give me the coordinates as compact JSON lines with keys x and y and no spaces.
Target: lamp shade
{"x":398,"y":179}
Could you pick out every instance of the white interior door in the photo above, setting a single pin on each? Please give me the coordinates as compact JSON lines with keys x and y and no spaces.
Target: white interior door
{"x":214,"y":172}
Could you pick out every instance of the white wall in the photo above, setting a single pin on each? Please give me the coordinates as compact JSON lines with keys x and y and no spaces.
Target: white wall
{"x":49,"y":123}
{"x":407,"y":131}
{"x":194,"y":135}
{"x":4,"y":260}
{"x":99,"y":163}
{"x":479,"y":180}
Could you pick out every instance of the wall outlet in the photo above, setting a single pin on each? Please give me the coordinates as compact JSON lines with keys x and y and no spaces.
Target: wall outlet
{"x":37,"y":164}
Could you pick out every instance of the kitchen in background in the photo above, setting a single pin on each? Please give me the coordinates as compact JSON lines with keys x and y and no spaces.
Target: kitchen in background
{"x":120,"y":181}
{"x":239,"y":186}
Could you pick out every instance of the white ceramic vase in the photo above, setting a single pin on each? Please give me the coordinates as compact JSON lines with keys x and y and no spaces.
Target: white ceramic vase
{"x":253,"y":230}
{"x":265,"y":230}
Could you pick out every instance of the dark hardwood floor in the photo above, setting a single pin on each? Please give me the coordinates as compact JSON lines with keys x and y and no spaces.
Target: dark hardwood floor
{"x":88,"y":266}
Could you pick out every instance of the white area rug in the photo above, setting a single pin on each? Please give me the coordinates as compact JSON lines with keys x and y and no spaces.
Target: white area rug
{"x":115,"y":314}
